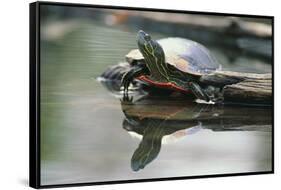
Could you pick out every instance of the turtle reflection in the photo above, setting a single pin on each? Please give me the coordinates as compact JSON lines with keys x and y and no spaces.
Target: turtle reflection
{"x":159,"y":120}
{"x":153,"y":132}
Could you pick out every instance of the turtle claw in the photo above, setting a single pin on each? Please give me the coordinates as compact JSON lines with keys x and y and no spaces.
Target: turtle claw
{"x":126,"y":81}
{"x":126,"y":98}
{"x":215,"y":94}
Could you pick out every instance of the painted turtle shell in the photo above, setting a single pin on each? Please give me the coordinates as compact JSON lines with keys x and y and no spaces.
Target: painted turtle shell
{"x":186,"y":55}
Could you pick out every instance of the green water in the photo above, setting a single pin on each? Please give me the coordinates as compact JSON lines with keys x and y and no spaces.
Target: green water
{"x":83,"y":138}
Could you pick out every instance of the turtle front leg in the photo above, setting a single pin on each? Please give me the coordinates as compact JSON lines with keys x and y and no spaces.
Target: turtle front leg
{"x":134,"y":72}
{"x":210,"y":93}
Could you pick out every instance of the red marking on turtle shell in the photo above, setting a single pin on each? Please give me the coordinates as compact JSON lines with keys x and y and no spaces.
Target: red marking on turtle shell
{"x":168,"y":85}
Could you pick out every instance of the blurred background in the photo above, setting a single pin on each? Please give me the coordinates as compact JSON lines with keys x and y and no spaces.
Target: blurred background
{"x":82,"y":135}
{"x":246,"y":41}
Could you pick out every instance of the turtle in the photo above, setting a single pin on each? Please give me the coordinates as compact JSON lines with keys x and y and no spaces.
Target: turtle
{"x":172,"y":63}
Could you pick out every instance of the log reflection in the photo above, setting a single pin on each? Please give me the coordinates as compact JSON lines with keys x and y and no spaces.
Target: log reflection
{"x":156,"y":120}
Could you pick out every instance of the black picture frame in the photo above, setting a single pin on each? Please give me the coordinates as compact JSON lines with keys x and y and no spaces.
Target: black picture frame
{"x":34,"y":98}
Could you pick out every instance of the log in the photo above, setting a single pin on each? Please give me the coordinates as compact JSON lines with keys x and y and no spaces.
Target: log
{"x":242,"y":87}
{"x":248,"y":36}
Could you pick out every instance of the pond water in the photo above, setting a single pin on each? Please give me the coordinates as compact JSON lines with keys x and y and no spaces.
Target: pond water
{"x":89,"y":135}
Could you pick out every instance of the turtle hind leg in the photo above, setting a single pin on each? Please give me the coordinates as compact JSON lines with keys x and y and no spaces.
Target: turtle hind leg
{"x":134,"y":72}
{"x":209,"y":93}
{"x":198,"y":91}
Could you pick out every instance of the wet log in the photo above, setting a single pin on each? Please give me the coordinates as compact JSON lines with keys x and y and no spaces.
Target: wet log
{"x":242,"y":87}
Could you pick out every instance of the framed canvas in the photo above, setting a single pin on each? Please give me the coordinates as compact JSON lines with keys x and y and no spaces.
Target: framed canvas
{"x":121,"y":94}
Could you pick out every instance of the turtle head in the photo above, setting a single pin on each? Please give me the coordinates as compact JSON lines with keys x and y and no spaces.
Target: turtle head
{"x":149,"y":47}
{"x":153,"y":54}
